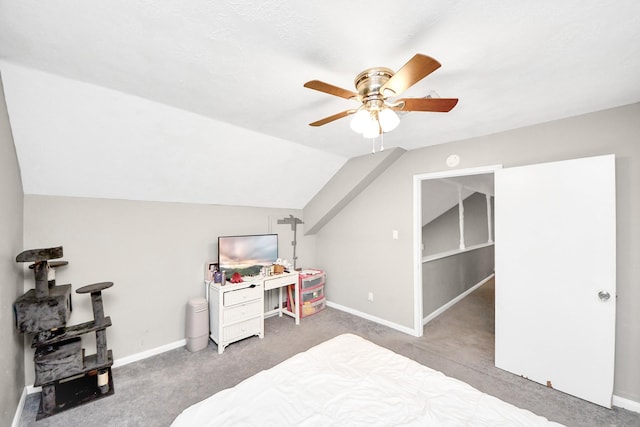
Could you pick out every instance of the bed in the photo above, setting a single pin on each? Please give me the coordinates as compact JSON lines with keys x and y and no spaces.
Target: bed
{"x":349,"y":381}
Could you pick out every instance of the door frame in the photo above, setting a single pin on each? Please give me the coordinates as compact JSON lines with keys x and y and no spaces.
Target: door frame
{"x":417,"y":232}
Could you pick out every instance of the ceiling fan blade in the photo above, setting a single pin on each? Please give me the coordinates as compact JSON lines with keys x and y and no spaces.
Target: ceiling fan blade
{"x":332,"y":118}
{"x":439,"y":105}
{"x":331,"y":89}
{"x":418,"y":67}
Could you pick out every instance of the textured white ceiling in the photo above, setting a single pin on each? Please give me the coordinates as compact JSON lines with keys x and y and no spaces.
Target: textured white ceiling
{"x":240,"y":66}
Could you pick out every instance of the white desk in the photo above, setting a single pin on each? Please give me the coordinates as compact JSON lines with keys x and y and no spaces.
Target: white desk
{"x":281,"y":281}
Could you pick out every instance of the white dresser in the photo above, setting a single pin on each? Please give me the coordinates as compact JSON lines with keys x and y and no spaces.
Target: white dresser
{"x":236,"y":311}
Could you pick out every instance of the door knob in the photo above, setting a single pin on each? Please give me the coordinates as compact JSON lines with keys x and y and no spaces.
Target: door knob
{"x":603,"y":295}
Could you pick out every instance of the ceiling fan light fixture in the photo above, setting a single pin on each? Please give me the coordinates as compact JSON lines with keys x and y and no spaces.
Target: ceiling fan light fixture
{"x":389,"y":120}
{"x":360,"y":120}
{"x":372,"y":129}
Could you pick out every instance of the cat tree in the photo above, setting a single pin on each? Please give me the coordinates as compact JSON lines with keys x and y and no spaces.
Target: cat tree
{"x":68,"y":377}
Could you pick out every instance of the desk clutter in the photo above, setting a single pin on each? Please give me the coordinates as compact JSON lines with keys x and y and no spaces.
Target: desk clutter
{"x":68,"y":377}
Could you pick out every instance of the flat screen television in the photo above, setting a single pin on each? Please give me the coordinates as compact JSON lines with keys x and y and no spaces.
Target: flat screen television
{"x":246,"y":254}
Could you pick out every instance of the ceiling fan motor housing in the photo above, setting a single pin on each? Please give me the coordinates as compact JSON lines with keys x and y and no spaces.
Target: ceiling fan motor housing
{"x":369,"y":82}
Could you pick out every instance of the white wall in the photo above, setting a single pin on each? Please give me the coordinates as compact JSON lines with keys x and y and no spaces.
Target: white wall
{"x":357,"y":250}
{"x":12,"y":372}
{"x":154,"y":252}
{"x":81,"y":140}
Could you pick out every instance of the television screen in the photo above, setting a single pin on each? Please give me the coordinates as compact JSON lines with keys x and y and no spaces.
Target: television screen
{"x":246,"y":254}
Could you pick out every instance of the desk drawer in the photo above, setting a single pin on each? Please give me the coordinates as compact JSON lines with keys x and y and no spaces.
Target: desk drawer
{"x":241,"y":330}
{"x":312,"y":281}
{"x":309,"y":308}
{"x":242,"y":311}
{"x":273,"y":282}
{"x":242,"y":295}
{"x":312,"y":294}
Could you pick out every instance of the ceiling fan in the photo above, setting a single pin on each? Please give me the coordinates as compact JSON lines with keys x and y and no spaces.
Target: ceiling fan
{"x":375,"y":88}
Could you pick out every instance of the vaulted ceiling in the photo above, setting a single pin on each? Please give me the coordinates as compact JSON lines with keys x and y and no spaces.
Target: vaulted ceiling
{"x":203,"y":101}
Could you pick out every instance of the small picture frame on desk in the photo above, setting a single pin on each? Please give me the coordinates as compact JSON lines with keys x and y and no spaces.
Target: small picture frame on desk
{"x":210,"y":269}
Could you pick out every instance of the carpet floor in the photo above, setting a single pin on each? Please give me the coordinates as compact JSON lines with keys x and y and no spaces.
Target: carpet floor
{"x":459,"y":343}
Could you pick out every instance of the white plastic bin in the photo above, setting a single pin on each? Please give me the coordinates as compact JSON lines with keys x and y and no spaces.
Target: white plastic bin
{"x":197,"y":324}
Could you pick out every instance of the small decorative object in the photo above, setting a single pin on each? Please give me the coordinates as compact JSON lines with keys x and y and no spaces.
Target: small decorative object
{"x":210,"y":269}
{"x":280,"y":266}
{"x":236,"y":278}
{"x":103,"y":381}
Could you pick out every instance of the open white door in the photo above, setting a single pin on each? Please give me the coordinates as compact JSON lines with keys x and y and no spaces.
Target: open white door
{"x":555,"y":257}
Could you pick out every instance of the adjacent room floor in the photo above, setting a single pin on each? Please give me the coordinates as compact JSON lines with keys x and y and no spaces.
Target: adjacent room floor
{"x":152,"y":392}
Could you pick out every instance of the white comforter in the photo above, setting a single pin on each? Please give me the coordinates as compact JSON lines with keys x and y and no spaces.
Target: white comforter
{"x":349,"y":381}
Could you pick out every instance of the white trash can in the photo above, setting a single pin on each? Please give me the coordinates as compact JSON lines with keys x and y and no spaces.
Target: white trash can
{"x":197,"y":324}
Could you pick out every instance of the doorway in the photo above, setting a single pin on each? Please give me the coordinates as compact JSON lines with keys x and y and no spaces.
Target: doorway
{"x":557,"y":255}
{"x":452,"y":177}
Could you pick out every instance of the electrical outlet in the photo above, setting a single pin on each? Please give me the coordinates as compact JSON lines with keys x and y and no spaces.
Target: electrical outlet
{"x":370,"y":297}
{"x":394,"y":234}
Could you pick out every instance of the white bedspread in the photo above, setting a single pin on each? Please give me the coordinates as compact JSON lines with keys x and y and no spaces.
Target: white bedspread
{"x":349,"y":381}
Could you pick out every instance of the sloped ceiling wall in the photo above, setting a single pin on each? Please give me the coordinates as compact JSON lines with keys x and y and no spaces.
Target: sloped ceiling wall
{"x":78,"y":139}
{"x":439,"y":195}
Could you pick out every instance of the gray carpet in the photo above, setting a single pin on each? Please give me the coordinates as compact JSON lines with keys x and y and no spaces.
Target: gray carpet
{"x":152,"y":392}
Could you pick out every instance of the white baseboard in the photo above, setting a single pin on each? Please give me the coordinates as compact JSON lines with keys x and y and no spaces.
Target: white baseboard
{"x":450,"y":304}
{"x":30,"y":389}
{"x":18,"y":414}
{"x":627,"y":404}
{"x":384,"y":322}
{"x":148,"y":353}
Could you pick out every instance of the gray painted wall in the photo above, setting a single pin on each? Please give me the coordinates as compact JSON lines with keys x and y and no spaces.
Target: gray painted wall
{"x":153,"y":252}
{"x":346,"y":184}
{"x":443,"y":233}
{"x":446,"y":278}
{"x":11,"y":349}
{"x":357,"y":250}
